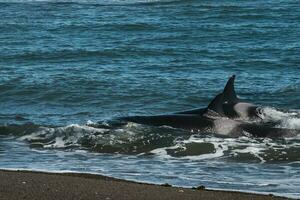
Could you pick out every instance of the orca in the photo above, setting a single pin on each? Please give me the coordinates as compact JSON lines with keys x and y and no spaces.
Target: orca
{"x":185,"y":121}
{"x":233,"y":107}
{"x":212,"y":120}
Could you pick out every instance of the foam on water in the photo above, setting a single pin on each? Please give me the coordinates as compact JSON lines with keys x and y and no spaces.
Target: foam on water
{"x":165,"y":142}
{"x":246,"y":163}
{"x":61,"y":137}
{"x":161,"y":168}
{"x":289,"y":120}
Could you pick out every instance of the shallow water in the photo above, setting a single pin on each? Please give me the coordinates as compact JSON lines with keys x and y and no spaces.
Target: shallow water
{"x":67,"y":65}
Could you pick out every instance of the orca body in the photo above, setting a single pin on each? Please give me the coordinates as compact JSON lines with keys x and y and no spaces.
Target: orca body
{"x":212,"y":119}
{"x":190,"y":122}
{"x":202,"y":121}
{"x":197,"y":111}
{"x":263,"y":130}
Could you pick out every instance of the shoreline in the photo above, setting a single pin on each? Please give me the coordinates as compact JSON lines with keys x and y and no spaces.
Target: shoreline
{"x":23,"y":184}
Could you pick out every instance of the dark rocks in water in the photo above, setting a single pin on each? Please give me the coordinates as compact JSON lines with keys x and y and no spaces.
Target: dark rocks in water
{"x":166,"y":185}
{"x":201,"y":187}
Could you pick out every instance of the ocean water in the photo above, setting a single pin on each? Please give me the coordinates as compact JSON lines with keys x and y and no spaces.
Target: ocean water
{"x":69,"y":67}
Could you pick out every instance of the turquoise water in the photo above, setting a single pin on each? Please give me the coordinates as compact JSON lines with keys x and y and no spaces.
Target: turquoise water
{"x":67,"y":65}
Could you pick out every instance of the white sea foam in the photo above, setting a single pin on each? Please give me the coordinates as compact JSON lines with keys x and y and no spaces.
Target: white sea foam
{"x":62,"y":137}
{"x":261,"y":149}
{"x":134,"y":138}
{"x":218,"y":144}
{"x":162,"y":153}
{"x":289,"y":120}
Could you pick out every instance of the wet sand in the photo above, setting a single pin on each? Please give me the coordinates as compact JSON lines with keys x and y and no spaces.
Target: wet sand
{"x":73,"y":186}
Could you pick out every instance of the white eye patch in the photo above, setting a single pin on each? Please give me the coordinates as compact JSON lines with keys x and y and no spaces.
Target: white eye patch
{"x":242,"y":109}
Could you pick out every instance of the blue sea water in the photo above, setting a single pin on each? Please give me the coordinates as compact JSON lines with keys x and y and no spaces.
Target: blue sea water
{"x":66,"y":65}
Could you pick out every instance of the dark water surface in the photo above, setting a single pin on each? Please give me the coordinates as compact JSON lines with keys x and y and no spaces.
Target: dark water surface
{"x":66,"y":65}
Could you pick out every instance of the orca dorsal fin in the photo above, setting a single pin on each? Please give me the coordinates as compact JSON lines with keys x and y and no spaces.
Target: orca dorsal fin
{"x":229,"y":92}
{"x":216,"y":105}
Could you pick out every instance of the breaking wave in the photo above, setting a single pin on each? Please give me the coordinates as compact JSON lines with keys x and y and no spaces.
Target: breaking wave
{"x":283,"y":119}
{"x":165,"y":142}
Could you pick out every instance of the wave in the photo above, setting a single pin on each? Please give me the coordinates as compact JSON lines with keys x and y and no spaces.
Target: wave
{"x":295,"y":88}
{"x":282,"y":119}
{"x":97,"y":2}
{"x":61,"y":54}
{"x":129,"y":138}
{"x":84,"y":54}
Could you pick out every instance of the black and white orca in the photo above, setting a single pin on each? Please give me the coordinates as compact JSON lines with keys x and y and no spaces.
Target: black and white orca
{"x":212,"y":119}
{"x":233,"y":107}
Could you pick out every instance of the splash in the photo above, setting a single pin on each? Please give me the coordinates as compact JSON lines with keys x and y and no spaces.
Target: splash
{"x":290,"y":120}
{"x":61,"y":137}
{"x":164,"y":142}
